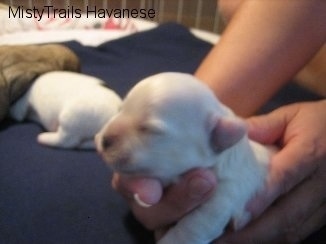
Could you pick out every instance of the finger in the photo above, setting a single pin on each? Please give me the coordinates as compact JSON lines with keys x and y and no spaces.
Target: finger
{"x":193,"y":189}
{"x":291,"y":219}
{"x":269,"y":128}
{"x":148,"y":191}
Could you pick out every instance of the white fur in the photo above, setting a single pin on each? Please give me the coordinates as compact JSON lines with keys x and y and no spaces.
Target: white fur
{"x":170,"y":123}
{"x":72,"y":107}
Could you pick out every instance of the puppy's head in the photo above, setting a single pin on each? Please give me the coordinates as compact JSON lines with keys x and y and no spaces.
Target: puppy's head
{"x":168,"y":124}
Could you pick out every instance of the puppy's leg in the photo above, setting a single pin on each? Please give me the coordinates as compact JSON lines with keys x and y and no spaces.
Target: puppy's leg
{"x":70,"y":131}
{"x":204,"y":224}
{"x":240,"y":219}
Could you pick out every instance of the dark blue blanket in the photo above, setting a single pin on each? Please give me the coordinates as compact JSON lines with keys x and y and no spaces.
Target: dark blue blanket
{"x":63,"y":196}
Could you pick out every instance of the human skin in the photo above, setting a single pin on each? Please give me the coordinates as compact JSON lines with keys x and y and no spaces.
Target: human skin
{"x":265,"y":44}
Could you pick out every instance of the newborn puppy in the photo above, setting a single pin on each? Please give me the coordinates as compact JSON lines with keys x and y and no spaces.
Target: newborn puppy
{"x":170,"y":123}
{"x":72,"y":107}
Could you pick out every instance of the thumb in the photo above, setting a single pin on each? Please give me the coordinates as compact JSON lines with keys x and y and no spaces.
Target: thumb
{"x":192,"y":189}
{"x":269,"y":128}
{"x":146,"y":191}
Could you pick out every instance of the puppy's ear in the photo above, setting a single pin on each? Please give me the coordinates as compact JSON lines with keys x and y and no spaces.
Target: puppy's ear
{"x":225,"y":132}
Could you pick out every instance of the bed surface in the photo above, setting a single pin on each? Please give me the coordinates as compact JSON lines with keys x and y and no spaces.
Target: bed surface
{"x":64,"y":196}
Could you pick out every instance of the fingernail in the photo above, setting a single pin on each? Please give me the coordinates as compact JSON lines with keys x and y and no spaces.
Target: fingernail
{"x":199,"y":187}
{"x":140,"y":202}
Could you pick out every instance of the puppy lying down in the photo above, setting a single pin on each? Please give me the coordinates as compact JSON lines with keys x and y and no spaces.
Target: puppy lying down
{"x":72,"y":107}
{"x":170,"y":123}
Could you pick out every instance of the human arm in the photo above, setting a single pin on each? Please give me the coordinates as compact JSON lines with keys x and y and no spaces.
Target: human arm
{"x":264,"y":46}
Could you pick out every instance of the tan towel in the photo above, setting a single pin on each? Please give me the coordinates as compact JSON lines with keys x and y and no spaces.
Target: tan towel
{"x":20,"y":65}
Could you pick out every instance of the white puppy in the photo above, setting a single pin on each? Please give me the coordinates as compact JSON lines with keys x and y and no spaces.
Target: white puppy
{"x":170,"y":123}
{"x":72,"y":107}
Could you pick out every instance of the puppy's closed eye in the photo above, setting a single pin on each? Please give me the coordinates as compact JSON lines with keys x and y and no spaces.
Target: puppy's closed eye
{"x":153,"y":127}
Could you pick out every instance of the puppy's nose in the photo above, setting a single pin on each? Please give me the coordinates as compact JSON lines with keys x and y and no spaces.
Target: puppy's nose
{"x":108,"y":141}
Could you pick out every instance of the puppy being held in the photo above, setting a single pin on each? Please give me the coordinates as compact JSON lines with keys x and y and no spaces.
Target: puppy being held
{"x":72,"y":107}
{"x":170,"y":123}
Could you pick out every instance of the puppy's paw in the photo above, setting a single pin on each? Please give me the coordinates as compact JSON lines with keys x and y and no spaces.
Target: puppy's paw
{"x":49,"y":139}
{"x":55,"y":139}
{"x":241,"y":221}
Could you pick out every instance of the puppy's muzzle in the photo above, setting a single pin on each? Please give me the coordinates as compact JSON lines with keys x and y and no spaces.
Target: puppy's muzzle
{"x":113,"y":152}
{"x":108,"y":142}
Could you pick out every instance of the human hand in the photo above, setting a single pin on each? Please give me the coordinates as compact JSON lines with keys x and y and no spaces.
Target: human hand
{"x":192,"y":189}
{"x":297,"y":177}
